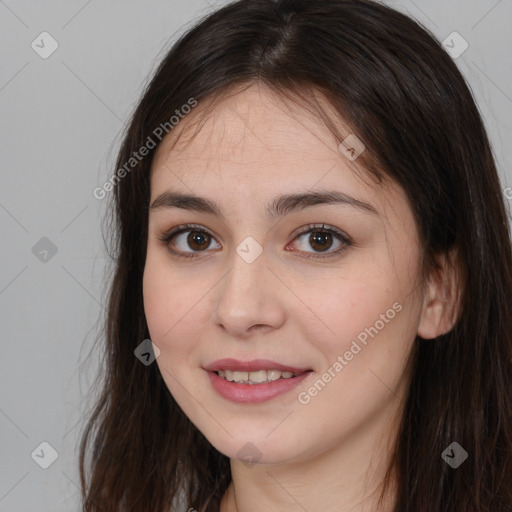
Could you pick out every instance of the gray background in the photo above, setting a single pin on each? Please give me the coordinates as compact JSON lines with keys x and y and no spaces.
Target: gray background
{"x":59,"y":131}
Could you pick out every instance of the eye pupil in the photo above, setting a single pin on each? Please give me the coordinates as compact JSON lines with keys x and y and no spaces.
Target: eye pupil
{"x":198,"y":240}
{"x":320,"y":237}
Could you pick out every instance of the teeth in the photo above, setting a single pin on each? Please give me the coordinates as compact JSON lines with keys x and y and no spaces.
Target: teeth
{"x":259,"y":376}
{"x":273,"y":374}
{"x":256,"y":377}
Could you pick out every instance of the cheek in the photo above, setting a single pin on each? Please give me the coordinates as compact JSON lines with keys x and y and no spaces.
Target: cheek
{"x":174,"y":315}
{"x":340,"y":307}
{"x":368,"y":316}
{"x":172,"y":304}
{"x":363,"y":361}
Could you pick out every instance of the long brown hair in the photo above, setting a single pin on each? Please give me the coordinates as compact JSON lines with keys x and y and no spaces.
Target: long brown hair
{"x":402,"y":95}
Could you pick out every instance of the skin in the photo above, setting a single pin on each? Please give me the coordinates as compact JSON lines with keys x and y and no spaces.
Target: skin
{"x":331,"y":453}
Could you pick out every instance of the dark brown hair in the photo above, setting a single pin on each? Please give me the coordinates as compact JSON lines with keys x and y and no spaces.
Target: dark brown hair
{"x":402,"y":95}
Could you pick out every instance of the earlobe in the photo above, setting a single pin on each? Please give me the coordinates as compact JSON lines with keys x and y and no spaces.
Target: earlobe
{"x":441,"y":305}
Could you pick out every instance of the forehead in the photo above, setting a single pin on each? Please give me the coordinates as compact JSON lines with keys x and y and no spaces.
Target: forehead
{"x":254,"y":129}
{"x":255,"y":143}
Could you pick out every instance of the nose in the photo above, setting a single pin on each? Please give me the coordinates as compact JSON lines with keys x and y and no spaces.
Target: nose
{"x":250,"y":299}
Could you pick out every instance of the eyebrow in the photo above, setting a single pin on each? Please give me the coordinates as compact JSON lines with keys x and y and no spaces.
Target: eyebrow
{"x":279,"y":207}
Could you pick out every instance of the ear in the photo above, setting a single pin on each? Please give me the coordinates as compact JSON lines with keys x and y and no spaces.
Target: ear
{"x":441,"y":304}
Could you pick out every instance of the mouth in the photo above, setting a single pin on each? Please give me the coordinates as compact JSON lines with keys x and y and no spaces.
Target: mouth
{"x":255,"y":377}
{"x":253,"y":381}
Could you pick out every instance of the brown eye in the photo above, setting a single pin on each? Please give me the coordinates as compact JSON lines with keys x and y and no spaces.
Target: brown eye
{"x":321,"y":240}
{"x":198,"y":240}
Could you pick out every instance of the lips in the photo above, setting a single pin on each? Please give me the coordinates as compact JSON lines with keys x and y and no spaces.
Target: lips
{"x":252,"y":366}
{"x":244,"y":391}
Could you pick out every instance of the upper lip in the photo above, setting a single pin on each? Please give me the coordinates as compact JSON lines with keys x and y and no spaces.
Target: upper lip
{"x":251,"y":366}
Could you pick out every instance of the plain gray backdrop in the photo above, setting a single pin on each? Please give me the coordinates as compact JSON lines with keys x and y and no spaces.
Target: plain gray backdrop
{"x":61,"y":115}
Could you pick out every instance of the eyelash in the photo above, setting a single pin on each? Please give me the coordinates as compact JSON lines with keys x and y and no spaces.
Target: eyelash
{"x":166,"y":238}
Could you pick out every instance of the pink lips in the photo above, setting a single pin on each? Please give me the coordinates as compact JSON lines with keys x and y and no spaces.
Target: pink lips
{"x":253,"y":393}
{"x":251,"y":366}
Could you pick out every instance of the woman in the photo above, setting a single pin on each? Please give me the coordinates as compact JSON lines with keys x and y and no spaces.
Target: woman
{"x":311,"y":231}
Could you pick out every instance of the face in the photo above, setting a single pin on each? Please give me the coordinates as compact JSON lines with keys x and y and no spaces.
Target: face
{"x":325,"y":289}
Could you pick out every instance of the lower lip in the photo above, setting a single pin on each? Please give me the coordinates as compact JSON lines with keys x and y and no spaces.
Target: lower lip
{"x":253,"y":393}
